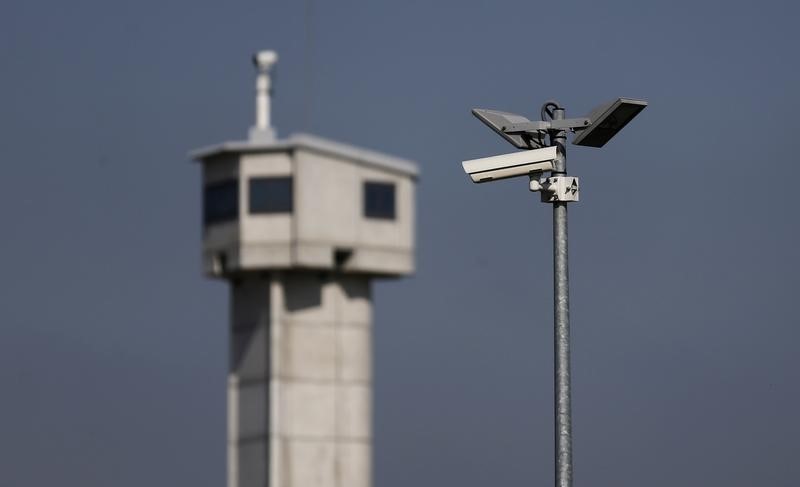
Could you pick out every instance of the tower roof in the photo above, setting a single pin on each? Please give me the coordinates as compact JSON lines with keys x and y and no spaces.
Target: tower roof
{"x":312,"y":143}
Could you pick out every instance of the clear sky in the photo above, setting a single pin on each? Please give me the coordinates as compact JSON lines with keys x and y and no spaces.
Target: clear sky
{"x":684,"y":260}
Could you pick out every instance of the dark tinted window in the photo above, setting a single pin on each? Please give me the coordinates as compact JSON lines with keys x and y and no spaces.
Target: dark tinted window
{"x":221,"y":202}
{"x":271,"y":195}
{"x":379,"y":200}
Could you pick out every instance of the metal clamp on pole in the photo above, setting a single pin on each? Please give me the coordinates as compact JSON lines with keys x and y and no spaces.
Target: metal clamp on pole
{"x":557,"y":188}
{"x":560,"y":188}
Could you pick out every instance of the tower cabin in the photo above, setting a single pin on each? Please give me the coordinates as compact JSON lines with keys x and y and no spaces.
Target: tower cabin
{"x":306,"y":203}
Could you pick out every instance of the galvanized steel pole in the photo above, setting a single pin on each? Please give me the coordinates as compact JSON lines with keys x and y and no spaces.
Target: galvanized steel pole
{"x":563,"y":408}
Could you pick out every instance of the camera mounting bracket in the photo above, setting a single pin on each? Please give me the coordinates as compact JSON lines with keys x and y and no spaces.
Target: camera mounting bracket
{"x":556,"y":188}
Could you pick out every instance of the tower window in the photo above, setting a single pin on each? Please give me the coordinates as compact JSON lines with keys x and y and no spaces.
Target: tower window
{"x":379,"y":200}
{"x":221,"y":202}
{"x":271,"y":195}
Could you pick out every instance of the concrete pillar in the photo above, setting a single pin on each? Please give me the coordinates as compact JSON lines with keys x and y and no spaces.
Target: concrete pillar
{"x":299,"y":392}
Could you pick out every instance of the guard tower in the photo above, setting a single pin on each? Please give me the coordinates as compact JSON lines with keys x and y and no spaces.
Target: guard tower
{"x":300,"y":227}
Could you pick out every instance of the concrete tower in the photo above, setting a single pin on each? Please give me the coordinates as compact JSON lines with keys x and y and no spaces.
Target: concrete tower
{"x":300,"y":227}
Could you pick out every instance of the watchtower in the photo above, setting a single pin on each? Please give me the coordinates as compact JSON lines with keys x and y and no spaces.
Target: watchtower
{"x":300,"y":227}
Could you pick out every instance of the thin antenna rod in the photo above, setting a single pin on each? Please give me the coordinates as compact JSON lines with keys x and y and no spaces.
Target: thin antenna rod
{"x":262,"y":130}
{"x":309,"y":64}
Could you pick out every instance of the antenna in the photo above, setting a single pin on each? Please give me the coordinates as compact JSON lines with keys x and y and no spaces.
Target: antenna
{"x":263,"y":131}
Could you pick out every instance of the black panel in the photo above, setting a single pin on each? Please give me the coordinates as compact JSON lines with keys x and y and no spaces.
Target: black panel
{"x":271,"y":195}
{"x":221,"y":202}
{"x":609,"y":124}
{"x":379,"y":200}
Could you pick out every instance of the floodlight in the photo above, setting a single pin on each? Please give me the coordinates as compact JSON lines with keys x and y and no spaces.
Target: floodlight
{"x":501,"y":121}
{"x":607,"y":120}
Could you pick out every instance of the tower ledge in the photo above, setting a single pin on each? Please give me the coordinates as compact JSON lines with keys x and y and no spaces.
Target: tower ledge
{"x":314,"y":144}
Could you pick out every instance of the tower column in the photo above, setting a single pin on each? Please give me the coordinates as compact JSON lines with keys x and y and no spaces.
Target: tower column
{"x":299,"y":393}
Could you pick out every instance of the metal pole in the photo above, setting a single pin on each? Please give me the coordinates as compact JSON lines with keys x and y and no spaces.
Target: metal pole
{"x":563,"y":409}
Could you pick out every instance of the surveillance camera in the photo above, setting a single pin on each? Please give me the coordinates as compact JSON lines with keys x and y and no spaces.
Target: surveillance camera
{"x":510,"y":165}
{"x":264,"y":60}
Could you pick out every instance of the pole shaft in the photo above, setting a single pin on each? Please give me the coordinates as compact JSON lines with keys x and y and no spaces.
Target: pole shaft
{"x":563,"y":408}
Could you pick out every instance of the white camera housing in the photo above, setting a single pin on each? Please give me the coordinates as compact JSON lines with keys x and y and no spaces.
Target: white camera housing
{"x":510,"y":165}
